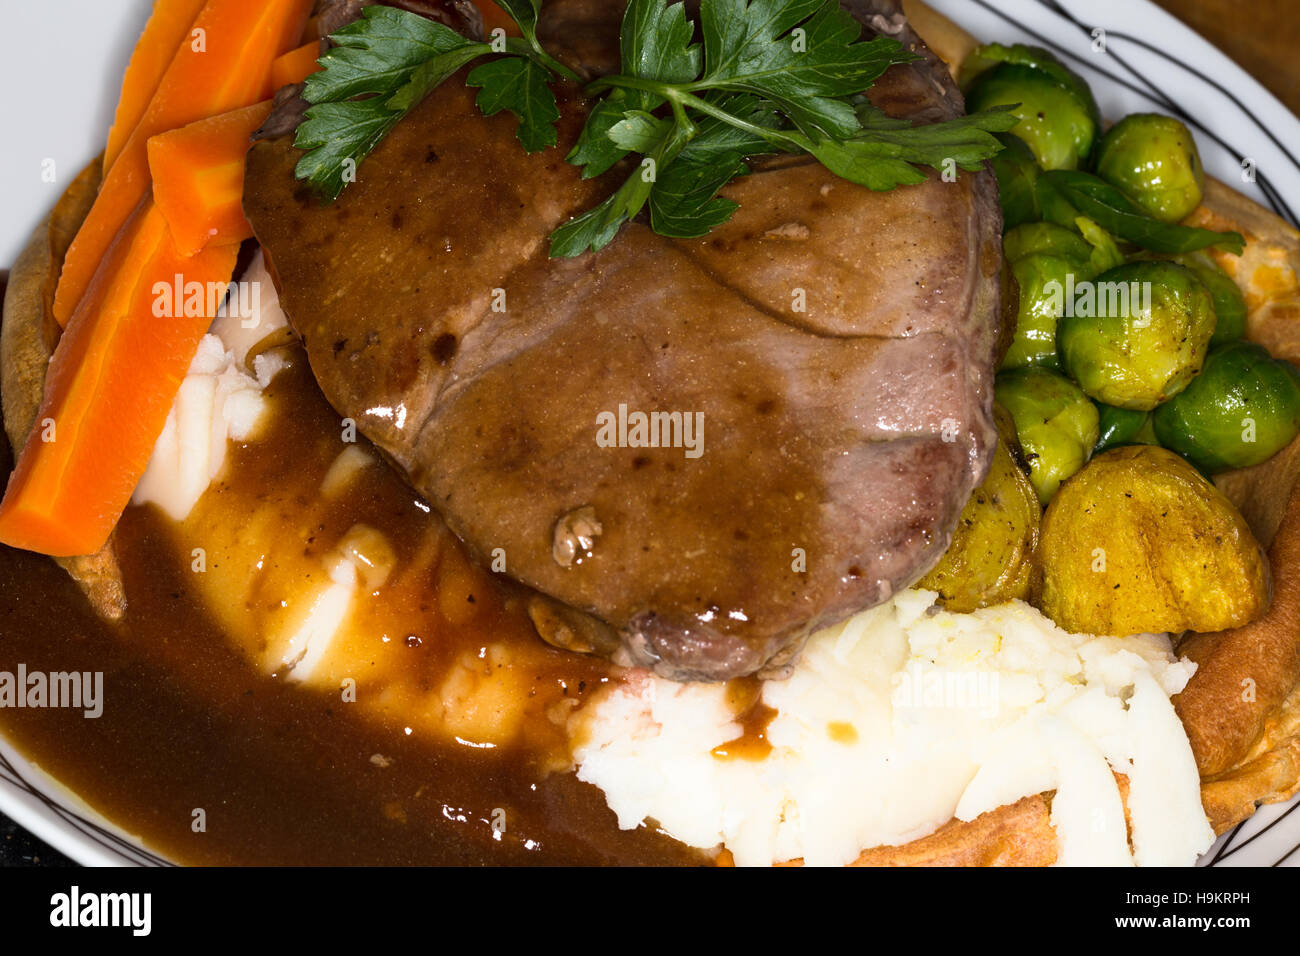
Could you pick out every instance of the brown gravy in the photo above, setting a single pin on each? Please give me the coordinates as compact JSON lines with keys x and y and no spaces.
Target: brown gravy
{"x":283,"y":773}
{"x":744,"y":695}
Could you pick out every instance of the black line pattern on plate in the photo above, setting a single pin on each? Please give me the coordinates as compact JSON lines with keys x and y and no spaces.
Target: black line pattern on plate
{"x":126,"y":849}
{"x":1155,"y":94}
{"x":1223,"y":849}
{"x":1225,"y":852}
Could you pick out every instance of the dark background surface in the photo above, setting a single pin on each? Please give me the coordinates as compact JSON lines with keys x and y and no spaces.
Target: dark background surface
{"x":20,"y":848}
{"x":1261,"y":35}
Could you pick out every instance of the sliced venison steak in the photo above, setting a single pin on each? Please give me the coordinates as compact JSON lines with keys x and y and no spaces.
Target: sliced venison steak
{"x":831,"y":348}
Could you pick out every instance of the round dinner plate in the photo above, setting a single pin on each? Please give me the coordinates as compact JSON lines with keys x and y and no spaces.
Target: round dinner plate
{"x":1138,"y":58}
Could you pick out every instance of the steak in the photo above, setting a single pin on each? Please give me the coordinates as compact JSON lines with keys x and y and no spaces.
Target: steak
{"x":821,"y":365}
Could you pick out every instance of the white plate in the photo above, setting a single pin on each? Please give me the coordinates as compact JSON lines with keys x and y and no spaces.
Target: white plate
{"x":69,"y":63}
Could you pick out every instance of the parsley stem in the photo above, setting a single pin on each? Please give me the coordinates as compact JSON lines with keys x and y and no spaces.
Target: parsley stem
{"x":679,"y":98}
{"x":555,"y":66}
{"x":782,"y":138}
{"x":533,"y":49}
{"x":683,"y":121}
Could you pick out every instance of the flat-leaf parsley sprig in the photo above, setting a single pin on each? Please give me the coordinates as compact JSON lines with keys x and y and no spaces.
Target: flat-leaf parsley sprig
{"x":384,"y":64}
{"x":771,"y":76}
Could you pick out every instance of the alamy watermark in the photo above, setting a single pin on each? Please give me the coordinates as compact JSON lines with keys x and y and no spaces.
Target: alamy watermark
{"x":1088,"y":299}
{"x":923,"y":688}
{"x":78,"y":690}
{"x":178,"y":298}
{"x":624,"y":429}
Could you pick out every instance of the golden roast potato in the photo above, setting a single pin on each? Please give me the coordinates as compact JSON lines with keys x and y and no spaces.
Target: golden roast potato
{"x":1138,"y":542}
{"x":991,"y":558}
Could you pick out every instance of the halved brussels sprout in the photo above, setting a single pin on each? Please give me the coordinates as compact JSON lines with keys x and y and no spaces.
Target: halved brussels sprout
{"x":1046,"y":260}
{"x":1043,"y":281}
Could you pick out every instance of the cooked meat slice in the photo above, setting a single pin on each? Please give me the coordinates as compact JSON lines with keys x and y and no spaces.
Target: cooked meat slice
{"x":830,"y":351}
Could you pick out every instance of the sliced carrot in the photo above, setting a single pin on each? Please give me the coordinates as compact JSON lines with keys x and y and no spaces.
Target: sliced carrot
{"x":226,"y":66}
{"x":293,"y":33}
{"x":296,"y":65}
{"x":168,"y":25}
{"x":109,"y":387}
{"x":198,"y":177}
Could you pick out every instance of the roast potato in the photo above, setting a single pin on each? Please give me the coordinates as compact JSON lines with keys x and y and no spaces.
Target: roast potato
{"x":991,"y":556}
{"x":1137,"y":541}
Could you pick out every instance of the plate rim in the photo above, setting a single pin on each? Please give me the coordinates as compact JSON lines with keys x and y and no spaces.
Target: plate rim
{"x":38,"y":802}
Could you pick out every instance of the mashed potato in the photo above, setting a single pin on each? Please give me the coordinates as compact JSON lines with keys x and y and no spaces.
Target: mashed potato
{"x":902,"y":718}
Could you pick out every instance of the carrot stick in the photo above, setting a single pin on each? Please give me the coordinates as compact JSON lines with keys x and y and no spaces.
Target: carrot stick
{"x":227,"y":66}
{"x":168,"y":26}
{"x":110,"y":384}
{"x":296,"y":65}
{"x":198,"y":177}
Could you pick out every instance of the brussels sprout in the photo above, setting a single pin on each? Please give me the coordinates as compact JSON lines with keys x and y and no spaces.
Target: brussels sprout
{"x":1105,"y":252}
{"x":1120,"y":426}
{"x":1017,"y":174}
{"x":1241,"y":410}
{"x":1043,"y":280}
{"x":1055,"y":422}
{"x":1229,"y":303}
{"x":1045,"y":261}
{"x":1138,"y":334}
{"x":1045,"y":237}
{"x":989,"y":55}
{"x":1153,"y":159}
{"x":1058,"y":122}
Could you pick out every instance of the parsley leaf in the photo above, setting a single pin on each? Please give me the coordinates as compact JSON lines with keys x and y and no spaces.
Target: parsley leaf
{"x":775,"y":76}
{"x":520,"y":86}
{"x":804,"y":55}
{"x":595,"y":229}
{"x":377,"y":54}
{"x":638,"y":131}
{"x":595,"y":152}
{"x":684,"y":203}
{"x":1116,"y":213}
{"x":336,"y":136}
{"x":385,"y":63}
{"x":524,"y":13}
{"x":885,"y":153}
{"x":656,"y":42}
